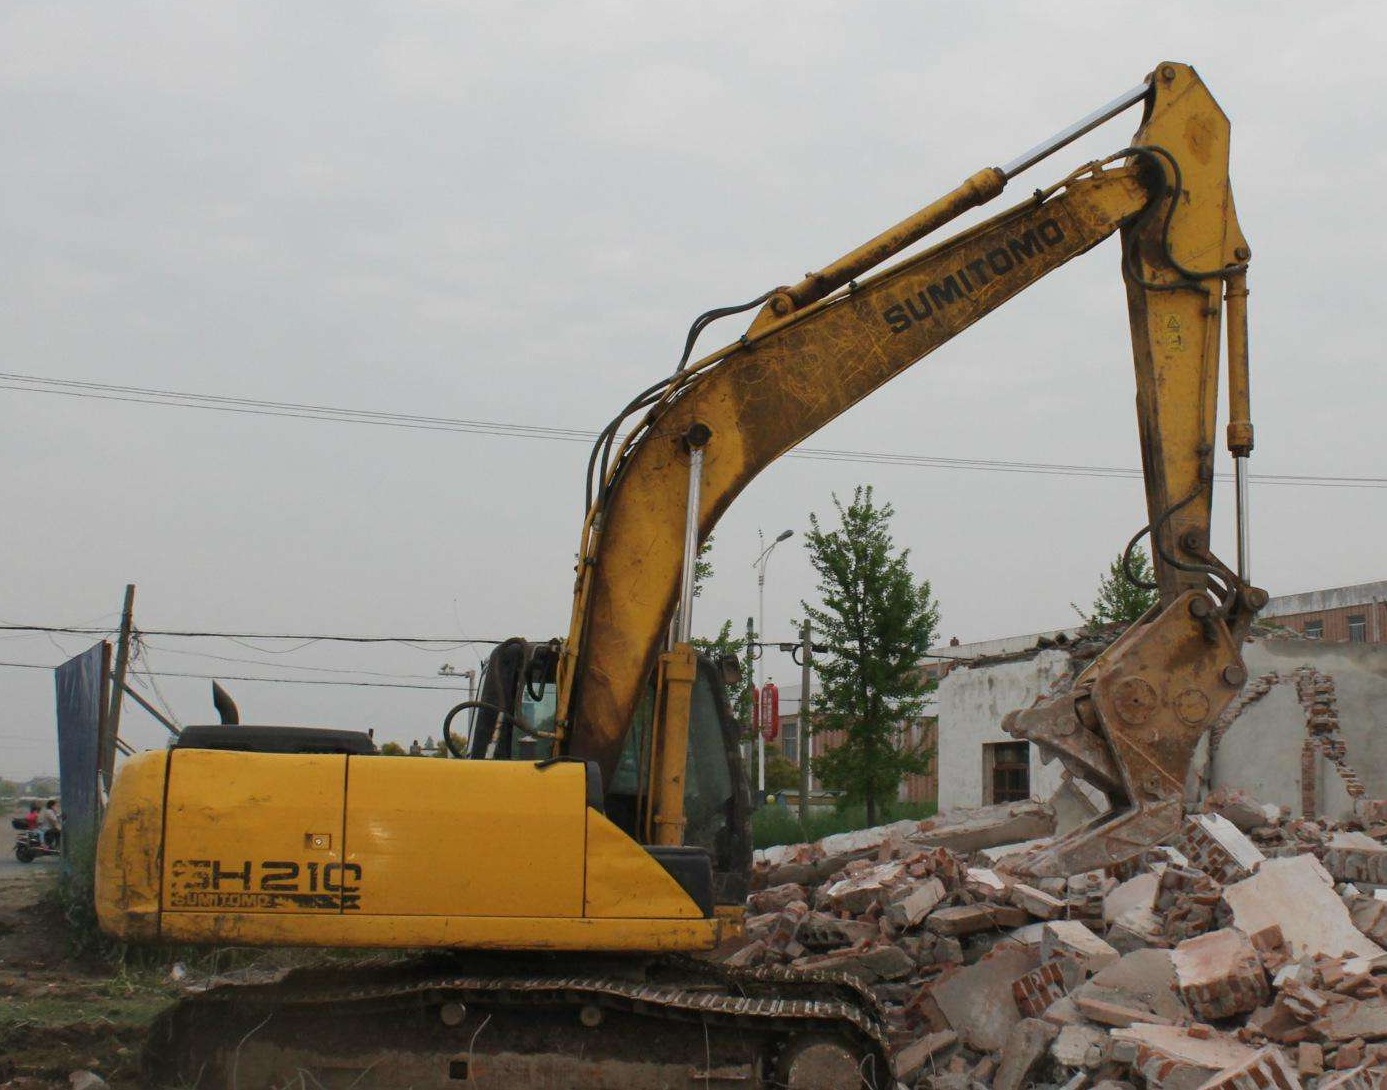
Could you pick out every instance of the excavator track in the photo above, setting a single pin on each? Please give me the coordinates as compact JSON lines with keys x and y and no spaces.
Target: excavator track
{"x":442,"y":1023}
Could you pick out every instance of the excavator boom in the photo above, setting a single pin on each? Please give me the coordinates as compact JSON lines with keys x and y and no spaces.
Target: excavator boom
{"x":819,"y":347}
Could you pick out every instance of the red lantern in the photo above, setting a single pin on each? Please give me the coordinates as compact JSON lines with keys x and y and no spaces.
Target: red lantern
{"x":768,"y":707}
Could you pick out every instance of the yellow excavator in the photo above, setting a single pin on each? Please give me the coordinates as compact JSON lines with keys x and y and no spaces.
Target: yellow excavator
{"x":592,"y":834}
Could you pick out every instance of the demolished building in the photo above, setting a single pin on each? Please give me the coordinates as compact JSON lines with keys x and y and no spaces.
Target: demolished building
{"x":1308,"y":732}
{"x":1246,"y":954}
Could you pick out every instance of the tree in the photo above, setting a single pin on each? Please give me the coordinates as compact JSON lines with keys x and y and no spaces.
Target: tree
{"x":782,"y":774}
{"x":877,"y":622}
{"x":1120,"y":600}
{"x":392,"y":749}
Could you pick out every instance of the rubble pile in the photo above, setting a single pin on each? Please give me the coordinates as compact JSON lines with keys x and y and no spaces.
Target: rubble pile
{"x":1248,"y":953}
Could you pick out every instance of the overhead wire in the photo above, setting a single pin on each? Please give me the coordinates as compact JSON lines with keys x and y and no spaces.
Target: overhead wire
{"x":267,"y":680}
{"x":285,"y":665}
{"x":450,"y":642}
{"x":604,"y":439}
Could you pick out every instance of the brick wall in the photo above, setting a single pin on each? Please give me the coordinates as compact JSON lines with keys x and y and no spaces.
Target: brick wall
{"x":914,"y":789}
{"x":1335,"y":622}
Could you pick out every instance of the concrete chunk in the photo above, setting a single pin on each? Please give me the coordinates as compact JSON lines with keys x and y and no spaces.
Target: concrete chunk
{"x":1138,"y":892}
{"x":864,"y":840}
{"x":777,"y":897}
{"x":1219,"y":974}
{"x":985,"y":882}
{"x":908,"y":910}
{"x":1027,"y":1043}
{"x":1114,"y":1009}
{"x":1038,"y":903}
{"x":1169,"y":1058}
{"x":1136,"y":929}
{"x":1070,"y":938}
{"x":911,"y":1060}
{"x":1147,"y":976}
{"x":1079,"y":1046}
{"x":1297,"y":894}
{"x":970,"y":919}
{"x":1352,"y":1018}
{"x":856,"y":893}
{"x":988,"y":826}
{"x":977,"y":1000}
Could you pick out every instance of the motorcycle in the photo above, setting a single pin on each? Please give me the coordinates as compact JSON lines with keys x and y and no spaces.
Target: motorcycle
{"x":30,"y":844}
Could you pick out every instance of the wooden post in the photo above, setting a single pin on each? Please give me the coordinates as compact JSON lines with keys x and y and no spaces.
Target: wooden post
{"x":806,"y":675}
{"x":111,"y":728}
{"x":169,"y":726}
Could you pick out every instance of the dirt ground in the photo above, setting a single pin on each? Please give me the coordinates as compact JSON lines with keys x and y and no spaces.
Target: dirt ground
{"x":60,"y":1013}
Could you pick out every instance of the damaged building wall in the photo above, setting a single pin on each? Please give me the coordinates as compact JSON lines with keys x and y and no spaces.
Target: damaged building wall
{"x":1308,"y":732}
{"x":972,"y":703}
{"x":1288,"y":752}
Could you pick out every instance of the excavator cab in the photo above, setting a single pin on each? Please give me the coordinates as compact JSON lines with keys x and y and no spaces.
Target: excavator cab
{"x":514,"y":719}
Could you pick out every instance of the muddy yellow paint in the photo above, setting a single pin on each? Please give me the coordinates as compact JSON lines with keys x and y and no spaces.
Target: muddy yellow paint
{"x":457,"y":932}
{"x":128,"y":855}
{"x":234,"y":822}
{"x":466,"y":838}
{"x":280,"y":849}
{"x":623,"y":881}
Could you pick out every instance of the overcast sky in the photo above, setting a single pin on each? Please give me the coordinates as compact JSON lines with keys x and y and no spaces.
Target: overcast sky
{"x":511,"y":213}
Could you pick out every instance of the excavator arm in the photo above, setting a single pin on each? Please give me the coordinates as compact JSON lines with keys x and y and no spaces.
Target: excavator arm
{"x":819,"y":347}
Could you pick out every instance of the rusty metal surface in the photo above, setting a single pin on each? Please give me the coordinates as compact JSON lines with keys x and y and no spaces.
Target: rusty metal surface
{"x":682,"y":1023}
{"x":1152,"y":694}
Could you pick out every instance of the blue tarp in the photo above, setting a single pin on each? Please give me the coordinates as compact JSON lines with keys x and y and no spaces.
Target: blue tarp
{"x":81,"y":688}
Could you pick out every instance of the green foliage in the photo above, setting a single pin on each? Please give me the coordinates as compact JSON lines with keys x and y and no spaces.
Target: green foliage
{"x":76,"y":896}
{"x":703,"y":566}
{"x":392,"y":749}
{"x":772,"y":825}
{"x":1119,"y":599}
{"x":782,"y":774}
{"x":877,"y":622}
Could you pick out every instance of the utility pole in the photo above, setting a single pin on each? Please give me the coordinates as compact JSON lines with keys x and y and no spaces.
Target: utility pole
{"x":760,"y":565}
{"x":806,"y":675}
{"x":750,"y":666}
{"x":107,"y":750}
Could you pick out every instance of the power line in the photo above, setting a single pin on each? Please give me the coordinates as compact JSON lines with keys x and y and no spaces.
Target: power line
{"x":267,"y":680}
{"x":414,"y":421}
{"x":282,"y":665}
{"x":451,"y":642}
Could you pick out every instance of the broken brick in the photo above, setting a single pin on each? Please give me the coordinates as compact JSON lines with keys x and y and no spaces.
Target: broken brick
{"x":1267,"y":1070}
{"x":1219,"y":974}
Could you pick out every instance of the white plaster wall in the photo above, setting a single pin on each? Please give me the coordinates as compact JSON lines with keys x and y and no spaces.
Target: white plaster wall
{"x":972,"y":703}
{"x":1360,"y":686}
{"x":1260,"y":751}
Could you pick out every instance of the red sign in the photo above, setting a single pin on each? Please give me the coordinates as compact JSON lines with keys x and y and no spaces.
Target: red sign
{"x":768,"y":707}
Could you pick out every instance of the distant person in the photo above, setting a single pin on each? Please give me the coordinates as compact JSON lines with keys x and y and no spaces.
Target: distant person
{"x":31,"y":819}
{"x":52,"y":822}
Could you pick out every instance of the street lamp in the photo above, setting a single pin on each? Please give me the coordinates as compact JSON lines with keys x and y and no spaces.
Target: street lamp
{"x":760,"y":565}
{"x":447,"y":670}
